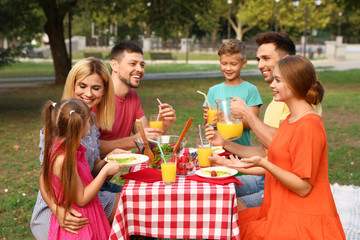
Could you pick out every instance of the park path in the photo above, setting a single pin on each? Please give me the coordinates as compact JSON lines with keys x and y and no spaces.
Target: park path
{"x":351,"y":62}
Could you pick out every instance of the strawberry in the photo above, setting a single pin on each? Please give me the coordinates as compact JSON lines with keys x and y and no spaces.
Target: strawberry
{"x":213,"y":173}
{"x":189,"y":165}
{"x":181,"y":166}
{"x":183,"y":172}
{"x":184,"y":159}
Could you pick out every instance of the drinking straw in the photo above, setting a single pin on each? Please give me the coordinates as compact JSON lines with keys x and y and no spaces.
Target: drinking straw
{"x":207,"y":102}
{"x":162,"y":154}
{"x":202,"y":145}
{"x":158,"y":116}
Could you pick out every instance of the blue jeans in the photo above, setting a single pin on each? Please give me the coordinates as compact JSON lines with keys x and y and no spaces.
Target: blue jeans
{"x":252,"y":193}
{"x":111,"y":187}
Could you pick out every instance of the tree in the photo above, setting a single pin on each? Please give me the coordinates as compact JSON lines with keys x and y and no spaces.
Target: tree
{"x":55,"y":12}
{"x":7,"y":56}
{"x":18,"y":27}
{"x":208,"y":17}
{"x":345,"y":24}
{"x":251,"y":13}
{"x":172,"y":18}
{"x":109,"y":16}
{"x":293,"y":18}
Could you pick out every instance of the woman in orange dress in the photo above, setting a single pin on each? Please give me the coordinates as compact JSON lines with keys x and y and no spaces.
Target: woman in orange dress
{"x":298,"y":203}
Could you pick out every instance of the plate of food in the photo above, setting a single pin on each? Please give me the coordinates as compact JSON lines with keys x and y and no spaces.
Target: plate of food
{"x":127,"y":159}
{"x":217,"y":149}
{"x":216,"y":172}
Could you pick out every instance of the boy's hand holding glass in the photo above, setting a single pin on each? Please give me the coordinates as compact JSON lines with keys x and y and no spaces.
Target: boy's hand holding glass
{"x":210,"y":115}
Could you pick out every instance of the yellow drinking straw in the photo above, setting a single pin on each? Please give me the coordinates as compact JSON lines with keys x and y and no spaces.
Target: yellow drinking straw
{"x":205,"y":98}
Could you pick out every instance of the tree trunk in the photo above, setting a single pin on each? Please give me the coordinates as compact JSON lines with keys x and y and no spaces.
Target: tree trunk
{"x":163,"y":41}
{"x":147,"y":30}
{"x":237,"y":28}
{"x":239,"y":34}
{"x":213,"y":36}
{"x":55,"y":30}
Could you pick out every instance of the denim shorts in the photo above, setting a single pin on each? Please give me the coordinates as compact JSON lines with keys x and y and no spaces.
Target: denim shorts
{"x":111,"y":187}
{"x":252,"y":193}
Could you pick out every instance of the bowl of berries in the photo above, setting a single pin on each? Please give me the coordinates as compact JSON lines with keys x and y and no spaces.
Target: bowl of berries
{"x":185,"y":166}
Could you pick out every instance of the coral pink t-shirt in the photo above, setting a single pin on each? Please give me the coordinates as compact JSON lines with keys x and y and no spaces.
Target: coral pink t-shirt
{"x":127,"y":110}
{"x":299,"y":148}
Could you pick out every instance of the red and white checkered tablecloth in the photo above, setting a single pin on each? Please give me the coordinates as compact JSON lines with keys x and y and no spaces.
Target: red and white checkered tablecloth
{"x":185,"y":210}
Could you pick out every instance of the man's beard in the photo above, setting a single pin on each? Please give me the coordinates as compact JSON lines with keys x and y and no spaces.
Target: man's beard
{"x":127,"y":82}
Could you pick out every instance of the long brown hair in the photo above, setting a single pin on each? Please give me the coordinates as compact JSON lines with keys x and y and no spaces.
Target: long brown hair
{"x":299,"y":73}
{"x":64,"y":121}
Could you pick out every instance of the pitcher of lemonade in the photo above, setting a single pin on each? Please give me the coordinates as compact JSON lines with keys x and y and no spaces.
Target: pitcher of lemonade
{"x":228,"y":127}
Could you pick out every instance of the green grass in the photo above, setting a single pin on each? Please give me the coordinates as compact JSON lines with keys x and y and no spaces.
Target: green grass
{"x":20,"y":122}
{"x":163,"y":68}
{"x":178,"y":55}
{"x":27,"y":69}
{"x":31,"y":69}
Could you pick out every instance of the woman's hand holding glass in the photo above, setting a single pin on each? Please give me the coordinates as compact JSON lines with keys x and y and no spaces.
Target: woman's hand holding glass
{"x":213,"y":136}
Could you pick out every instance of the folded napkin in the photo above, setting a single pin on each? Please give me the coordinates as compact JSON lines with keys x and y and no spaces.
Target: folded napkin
{"x":221,"y":181}
{"x":145,"y":175}
{"x":225,"y":154}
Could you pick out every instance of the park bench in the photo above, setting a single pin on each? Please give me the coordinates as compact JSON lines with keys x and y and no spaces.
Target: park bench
{"x":93,"y":54}
{"x":161,"y":56}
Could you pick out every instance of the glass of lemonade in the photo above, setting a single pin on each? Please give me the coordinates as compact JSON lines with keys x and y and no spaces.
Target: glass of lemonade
{"x":168,"y":168}
{"x":204,"y":152}
{"x":211,"y":114}
{"x":155,"y":122}
{"x":228,"y":127}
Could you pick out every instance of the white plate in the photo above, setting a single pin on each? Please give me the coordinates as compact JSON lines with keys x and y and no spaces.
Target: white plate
{"x":232,"y":172}
{"x":139,"y":158}
{"x":217,"y":149}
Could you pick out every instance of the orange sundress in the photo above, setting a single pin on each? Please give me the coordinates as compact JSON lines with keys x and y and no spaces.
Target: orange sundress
{"x":300,"y":148}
